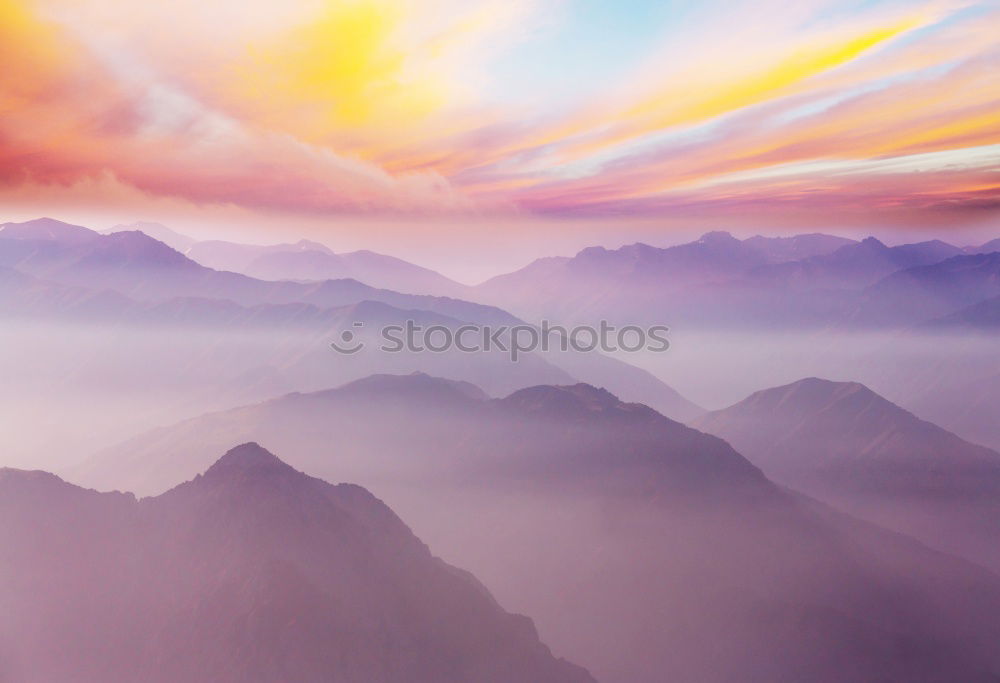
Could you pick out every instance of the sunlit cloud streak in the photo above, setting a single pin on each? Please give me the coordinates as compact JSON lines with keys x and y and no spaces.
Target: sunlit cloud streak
{"x":399,"y":106}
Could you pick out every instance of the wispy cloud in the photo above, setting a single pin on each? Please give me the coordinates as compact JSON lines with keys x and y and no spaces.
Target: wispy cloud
{"x":391,"y":106}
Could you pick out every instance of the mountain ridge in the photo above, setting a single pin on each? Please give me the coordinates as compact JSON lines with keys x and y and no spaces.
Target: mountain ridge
{"x":842,"y":442}
{"x":252,"y":571}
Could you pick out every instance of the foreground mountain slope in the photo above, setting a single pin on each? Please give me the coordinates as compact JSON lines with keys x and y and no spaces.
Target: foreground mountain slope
{"x":250,"y":572}
{"x":645,"y":550}
{"x":845,"y":443}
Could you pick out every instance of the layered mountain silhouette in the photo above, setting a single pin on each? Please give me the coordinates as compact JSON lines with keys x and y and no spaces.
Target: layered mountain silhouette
{"x":48,"y":230}
{"x":981,"y":316}
{"x":805,"y":281}
{"x":141,"y":267}
{"x":854,"y":265}
{"x":716,"y":255}
{"x":252,"y":571}
{"x":159,"y":232}
{"x":296,"y":346}
{"x":303,"y":260}
{"x":597,"y":279}
{"x":426,"y":412}
{"x":992,"y":245}
{"x":968,"y":407}
{"x":645,"y":550}
{"x":252,"y":352}
{"x":79,"y":276}
{"x":844,"y":443}
{"x":923,"y":293}
{"x":307,"y":260}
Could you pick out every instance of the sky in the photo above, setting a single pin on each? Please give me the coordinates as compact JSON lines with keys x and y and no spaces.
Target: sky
{"x":502,"y":127}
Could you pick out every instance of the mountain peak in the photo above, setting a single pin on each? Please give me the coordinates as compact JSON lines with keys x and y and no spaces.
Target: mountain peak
{"x":247,"y":459}
{"x":23,"y":477}
{"x":49,"y":230}
{"x":872,"y":242}
{"x":576,"y":401}
{"x":428,"y":387}
{"x":157,"y":231}
{"x":821,"y":383}
{"x":816,"y":391}
{"x":309,"y":245}
{"x":717,"y":237}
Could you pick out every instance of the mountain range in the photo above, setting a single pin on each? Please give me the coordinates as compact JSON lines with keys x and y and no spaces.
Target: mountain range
{"x":136,"y":265}
{"x":814,"y":531}
{"x":158,"y":232}
{"x":645,"y":550}
{"x":303,"y":260}
{"x":923,"y":293}
{"x":983,"y":315}
{"x":306,"y":260}
{"x":128,"y":281}
{"x":807,"y":280}
{"x":845,"y":444}
{"x":252,"y":571}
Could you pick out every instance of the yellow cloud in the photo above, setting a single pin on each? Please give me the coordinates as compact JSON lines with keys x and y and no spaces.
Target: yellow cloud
{"x":802,"y":64}
{"x":345,"y":69}
{"x":29,"y":54}
{"x":368,"y":77}
{"x":696,"y":98}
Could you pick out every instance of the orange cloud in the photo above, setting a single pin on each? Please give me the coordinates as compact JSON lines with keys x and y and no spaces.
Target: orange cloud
{"x":67,"y":115}
{"x":379,"y":106}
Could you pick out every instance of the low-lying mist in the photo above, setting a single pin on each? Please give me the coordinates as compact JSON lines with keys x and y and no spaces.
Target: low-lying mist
{"x":947,"y":378}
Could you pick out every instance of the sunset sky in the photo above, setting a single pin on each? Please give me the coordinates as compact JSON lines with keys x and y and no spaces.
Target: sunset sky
{"x":418,"y":119}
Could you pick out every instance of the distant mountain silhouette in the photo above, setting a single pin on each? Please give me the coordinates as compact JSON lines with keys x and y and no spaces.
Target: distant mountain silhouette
{"x":807,"y":280}
{"x":252,"y":571}
{"x":988,"y":247}
{"x":982,"y":316}
{"x":360,"y":408}
{"x":922,"y":293}
{"x":141,"y":267}
{"x":158,"y":232}
{"x":569,"y":288}
{"x":25,"y":297}
{"x":82,"y":282}
{"x":845,"y":443}
{"x":301,"y":334}
{"x":645,"y":550}
{"x":854,"y":265}
{"x":306,"y":260}
{"x":237,"y":257}
{"x":47,"y":229}
{"x":820,"y":291}
{"x":968,"y":408}
{"x":797,"y":247}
